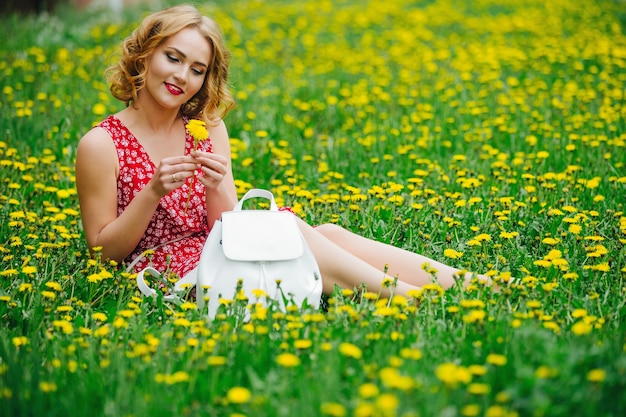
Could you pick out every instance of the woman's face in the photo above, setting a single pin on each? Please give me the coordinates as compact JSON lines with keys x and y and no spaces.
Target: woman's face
{"x":177,"y":69}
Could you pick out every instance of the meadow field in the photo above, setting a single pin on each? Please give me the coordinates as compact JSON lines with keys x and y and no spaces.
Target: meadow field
{"x":489,"y":135}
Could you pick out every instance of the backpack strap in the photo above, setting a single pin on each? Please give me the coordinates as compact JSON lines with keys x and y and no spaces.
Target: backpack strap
{"x":142,"y":255}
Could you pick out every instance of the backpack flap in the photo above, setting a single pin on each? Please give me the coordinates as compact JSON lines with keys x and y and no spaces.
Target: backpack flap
{"x":261,"y":235}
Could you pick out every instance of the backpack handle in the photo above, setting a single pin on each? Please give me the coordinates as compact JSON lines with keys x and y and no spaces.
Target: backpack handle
{"x":257,"y":193}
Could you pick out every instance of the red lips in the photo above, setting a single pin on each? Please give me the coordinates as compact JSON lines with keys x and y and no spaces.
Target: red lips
{"x":173,"y":89}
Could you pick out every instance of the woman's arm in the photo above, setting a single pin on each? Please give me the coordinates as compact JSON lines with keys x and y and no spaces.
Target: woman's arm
{"x":96,"y":182}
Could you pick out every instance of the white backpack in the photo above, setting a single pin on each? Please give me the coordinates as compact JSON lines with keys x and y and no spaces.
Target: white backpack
{"x":252,"y":250}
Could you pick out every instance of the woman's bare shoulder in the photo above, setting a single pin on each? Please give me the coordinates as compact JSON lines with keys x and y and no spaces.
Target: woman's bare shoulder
{"x":96,"y":140}
{"x":96,"y":150}
{"x":218,"y":132}
{"x":217,"y":125}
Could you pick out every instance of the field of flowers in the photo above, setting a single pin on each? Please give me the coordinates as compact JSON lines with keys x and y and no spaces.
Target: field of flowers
{"x":489,"y":135}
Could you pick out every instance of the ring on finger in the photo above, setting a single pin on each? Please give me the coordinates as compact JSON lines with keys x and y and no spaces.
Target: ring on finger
{"x":174,"y":179}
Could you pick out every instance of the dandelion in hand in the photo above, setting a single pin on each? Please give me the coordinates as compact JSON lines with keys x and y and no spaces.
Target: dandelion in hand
{"x":198,"y":131}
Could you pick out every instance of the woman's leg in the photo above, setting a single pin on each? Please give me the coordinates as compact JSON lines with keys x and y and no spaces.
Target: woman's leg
{"x":406,"y":265}
{"x":340,"y":266}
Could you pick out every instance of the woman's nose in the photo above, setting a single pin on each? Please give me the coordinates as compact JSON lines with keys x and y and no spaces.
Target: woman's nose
{"x":181,"y":74}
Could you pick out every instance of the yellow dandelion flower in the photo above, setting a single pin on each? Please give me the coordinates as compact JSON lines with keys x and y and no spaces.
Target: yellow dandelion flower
{"x":496,"y":411}
{"x":65,"y":326}
{"x":596,"y":375}
{"x":387,"y":403}
{"x":126,"y":313}
{"x":550,"y":325}
{"x":544,"y":372}
{"x":574,"y":228}
{"x":386,"y":311}
{"x":451,"y":374}
{"x":238,"y":395}
{"x":99,"y":316}
{"x":188,"y":306}
{"x":99,"y":109}
{"x":346,"y":292}
{"x":477,"y":370}
{"x":475,"y":316}
{"x":372,"y":296}
{"x":596,"y":251}
{"x":364,"y":410}
{"x":452,"y":254}
{"x":478,"y":388}
{"x":350,"y":350}
{"x":544,"y":263}
{"x":102,"y":331}
{"x":496,"y":359}
{"x":581,"y":328}
{"x":472,"y":304}
{"x":602,"y":267}
{"x":19,"y":341}
{"x":436,"y":288}
{"x":182,"y":322}
{"x":93,"y":278}
{"x":171,"y":379}
{"x":105,"y":274}
{"x":47,"y":387}
{"x":119,"y":323}
{"x":592,"y":183}
{"x":258,"y":293}
{"x":387,"y":282}
{"x":508,"y":235}
{"x":470,"y":410}
{"x":333,"y":409}
{"x":29,"y":269}
{"x":288,"y":360}
{"x":54,"y":286}
{"x":415,"y":293}
{"x":197,"y":129}
{"x":550,"y":241}
{"x":216,"y":360}
{"x":302,"y":344}
{"x":368,"y":390}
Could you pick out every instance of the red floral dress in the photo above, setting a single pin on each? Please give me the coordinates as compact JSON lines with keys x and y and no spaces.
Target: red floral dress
{"x":171,"y":233}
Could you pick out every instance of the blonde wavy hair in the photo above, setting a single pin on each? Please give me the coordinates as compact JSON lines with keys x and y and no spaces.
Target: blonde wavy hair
{"x":127,"y":77}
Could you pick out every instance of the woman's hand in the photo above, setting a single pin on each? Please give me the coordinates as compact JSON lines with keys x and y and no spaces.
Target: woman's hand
{"x":172,"y":173}
{"x":214,"y":168}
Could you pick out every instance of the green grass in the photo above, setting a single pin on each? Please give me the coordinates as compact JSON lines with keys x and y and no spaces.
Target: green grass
{"x":489,"y":136}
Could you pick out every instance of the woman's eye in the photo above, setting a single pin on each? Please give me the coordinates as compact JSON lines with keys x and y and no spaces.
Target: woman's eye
{"x":172,"y":58}
{"x":198,"y":71}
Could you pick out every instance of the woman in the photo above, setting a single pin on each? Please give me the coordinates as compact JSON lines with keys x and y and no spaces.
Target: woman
{"x":135,"y":170}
